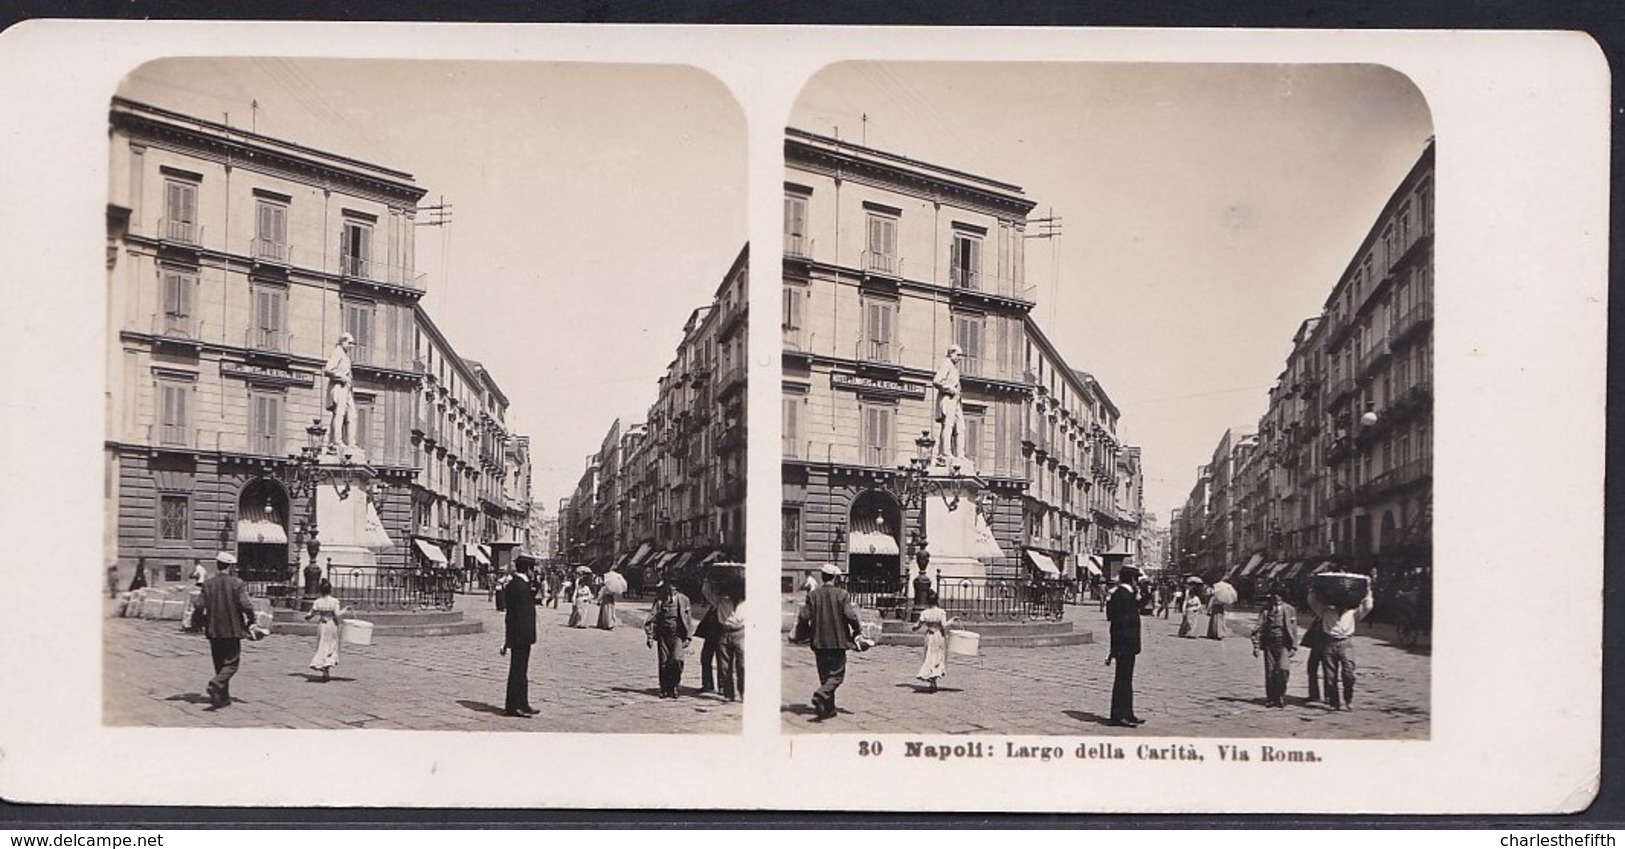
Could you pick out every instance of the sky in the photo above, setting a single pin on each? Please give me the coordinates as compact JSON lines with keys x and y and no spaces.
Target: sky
{"x":1206,"y":211}
{"x":594,"y":207}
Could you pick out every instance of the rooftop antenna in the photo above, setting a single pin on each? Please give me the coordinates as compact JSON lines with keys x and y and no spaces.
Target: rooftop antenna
{"x":863,"y":136}
{"x":254,"y":118}
{"x":1049,"y":227}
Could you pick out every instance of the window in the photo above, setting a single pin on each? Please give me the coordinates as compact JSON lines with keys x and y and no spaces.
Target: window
{"x":965,"y":266}
{"x":968,"y":336}
{"x":271,"y":231}
{"x":180,"y":212}
{"x":882,"y":253}
{"x":265,"y":422}
{"x":792,"y":425}
{"x":795,"y":308}
{"x":270,"y":313}
{"x":174,"y":518}
{"x":358,"y":322}
{"x":876,"y":437}
{"x":878,"y":319}
{"x":972,"y":448}
{"x":178,"y":296}
{"x":174,"y":413}
{"x":795,"y":226}
{"x":361,"y":428}
{"x":790,"y":528}
{"x":355,"y":250}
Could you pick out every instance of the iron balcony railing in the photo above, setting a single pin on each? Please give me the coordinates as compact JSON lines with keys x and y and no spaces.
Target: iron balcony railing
{"x":174,"y":436}
{"x":272,"y":251}
{"x":180,"y":232}
{"x":875,"y":351}
{"x":887,"y":264}
{"x":797,"y":246}
{"x":267,"y":339}
{"x":358,"y":267}
{"x":174,"y":325}
{"x":965,"y":278}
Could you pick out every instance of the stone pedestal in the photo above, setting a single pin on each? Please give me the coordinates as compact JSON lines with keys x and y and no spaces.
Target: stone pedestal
{"x":343,"y":513}
{"x":959,"y":537}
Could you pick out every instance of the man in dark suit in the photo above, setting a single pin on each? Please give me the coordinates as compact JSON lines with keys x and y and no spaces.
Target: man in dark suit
{"x":669,"y":627}
{"x":831,"y":622}
{"x":227,"y":614}
{"x":519,"y":608}
{"x":1123,"y":612}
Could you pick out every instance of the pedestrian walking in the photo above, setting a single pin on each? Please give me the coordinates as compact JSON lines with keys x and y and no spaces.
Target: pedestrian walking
{"x":200,"y":573}
{"x":830,"y":622}
{"x":519,"y":634}
{"x":580,"y":597}
{"x":1166,"y":597}
{"x":555,"y":586}
{"x":227,"y":613}
{"x":1215,"y":617}
{"x":1276,"y":636}
{"x":112,"y":581}
{"x":325,"y":610}
{"x":1192,"y":607}
{"x":669,"y":628}
{"x":1338,"y":668}
{"x":1315,"y":639}
{"x":936,"y":623}
{"x":614,"y":585}
{"x":1123,"y":612}
{"x":730,"y":641}
{"x":709,"y":630}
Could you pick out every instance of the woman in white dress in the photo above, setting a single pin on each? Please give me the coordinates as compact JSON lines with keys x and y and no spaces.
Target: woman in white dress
{"x":579,"y":599}
{"x":325,"y":610}
{"x":936,"y":623}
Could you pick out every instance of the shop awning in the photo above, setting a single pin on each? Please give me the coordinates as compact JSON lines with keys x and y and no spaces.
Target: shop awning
{"x":260,"y":530}
{"x":637,"y":556}
{"x":869,"y":536}
{"x":374,"y":537}
{"x":431,"y":551}
{"x":1252,"y":565}
{"x":1043,"y":563}
{"x":1093,"y":565}
{"x":1275,"y":570}
{"x":713,"y":557}
{"x":679,"y":560}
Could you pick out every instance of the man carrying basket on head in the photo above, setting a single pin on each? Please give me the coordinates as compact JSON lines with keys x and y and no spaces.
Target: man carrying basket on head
{"x":1338,"y":614}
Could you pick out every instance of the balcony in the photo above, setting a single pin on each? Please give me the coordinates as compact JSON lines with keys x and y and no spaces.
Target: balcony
{"x":175,"y":232}
{"x":267,"y":340}
{"x":729,"y":377}
{"x":1338,"y":328}
{"x":796,"y":339}
{"x":362,"y":271}
{"x":965,"y":278}
{"x":797,"y":247}
{"x":882,"y":264}
{"x":1416,"y":319}
{"x":256,"y":444}
{"x":270,"y":252}
{"x":174,"y":437}
{"x":733,"y":437}
{"x":176,"y":329}
{"x":1377,"y":355}
{"x":731,"y":491}
{"x":875,"y":351}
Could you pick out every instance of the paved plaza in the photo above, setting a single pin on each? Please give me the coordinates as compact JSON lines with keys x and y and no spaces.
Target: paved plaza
{"x":1183,"y":687}
{"x":582,"y":680}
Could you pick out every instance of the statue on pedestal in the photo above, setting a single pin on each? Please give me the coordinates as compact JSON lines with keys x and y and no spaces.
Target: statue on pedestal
{"x":950,"y":412}
{"x":341,"y":412}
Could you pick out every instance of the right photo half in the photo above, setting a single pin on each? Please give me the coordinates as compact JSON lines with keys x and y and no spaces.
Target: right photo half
{"x":1107,"y":401}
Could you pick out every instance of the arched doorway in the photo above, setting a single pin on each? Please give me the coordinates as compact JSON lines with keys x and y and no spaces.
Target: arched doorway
{"x":874,"y":543}
{"x":262,"y":532}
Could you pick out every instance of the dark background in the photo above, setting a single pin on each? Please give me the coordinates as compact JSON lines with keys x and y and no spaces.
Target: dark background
{"x":1604,"y":20}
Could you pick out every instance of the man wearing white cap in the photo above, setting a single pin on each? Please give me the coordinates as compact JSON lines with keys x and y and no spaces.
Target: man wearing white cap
{"x":831,"y":620}
{"x":227,"y":615}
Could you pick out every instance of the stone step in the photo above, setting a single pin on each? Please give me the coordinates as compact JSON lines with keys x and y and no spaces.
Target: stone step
{"x":386,"y":623}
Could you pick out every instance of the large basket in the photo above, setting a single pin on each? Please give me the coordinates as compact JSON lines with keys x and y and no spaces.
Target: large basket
{"x":968,"y":643}
{"x":356,"y":632}
{"x":1342,"y":590}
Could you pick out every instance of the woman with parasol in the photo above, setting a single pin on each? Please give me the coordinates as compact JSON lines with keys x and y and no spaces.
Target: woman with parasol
{"x":614,"y":587}
{"x":1222,"y":597}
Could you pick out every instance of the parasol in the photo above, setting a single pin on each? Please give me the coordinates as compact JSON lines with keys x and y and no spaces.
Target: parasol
{"x":1193,"y":580}
{"x":614,"y":582}
{"x":1223,"y":593}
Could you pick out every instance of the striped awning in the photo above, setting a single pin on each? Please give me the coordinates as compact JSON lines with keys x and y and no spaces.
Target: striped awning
{"x":1042,"y":562}
{"x":431,"y":551}
{"x":261,"y":530}
{"x":869,"y":536}
{"x":1094,"y":565}
{"x":482,"y":555}
{"x":637,"y":556}
{"x":1252,"y":566}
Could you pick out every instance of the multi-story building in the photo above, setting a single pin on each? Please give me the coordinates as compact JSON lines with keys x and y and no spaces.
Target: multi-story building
{"x":1344,"y":467}
{"x":669,"y":491}
{"x":887,"y":262}
{"x":235,"y":262}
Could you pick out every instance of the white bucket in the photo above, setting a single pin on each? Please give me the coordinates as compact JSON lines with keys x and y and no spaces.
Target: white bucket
{"x":964,"y":642}
{"x":356,"y":632}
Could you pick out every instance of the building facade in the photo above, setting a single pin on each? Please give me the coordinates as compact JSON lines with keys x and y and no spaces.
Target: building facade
{"x":1342,"y":474}
{"x":668,"y":491}
{"x":235,"y":262}
{"x":887,"y":262}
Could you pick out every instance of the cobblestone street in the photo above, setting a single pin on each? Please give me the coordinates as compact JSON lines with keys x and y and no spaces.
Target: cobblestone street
{"x":1183,"y":687}
{"x":582,"y":680}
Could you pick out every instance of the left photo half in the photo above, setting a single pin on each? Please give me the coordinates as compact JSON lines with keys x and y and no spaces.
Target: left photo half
{"x":426,"y":397}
